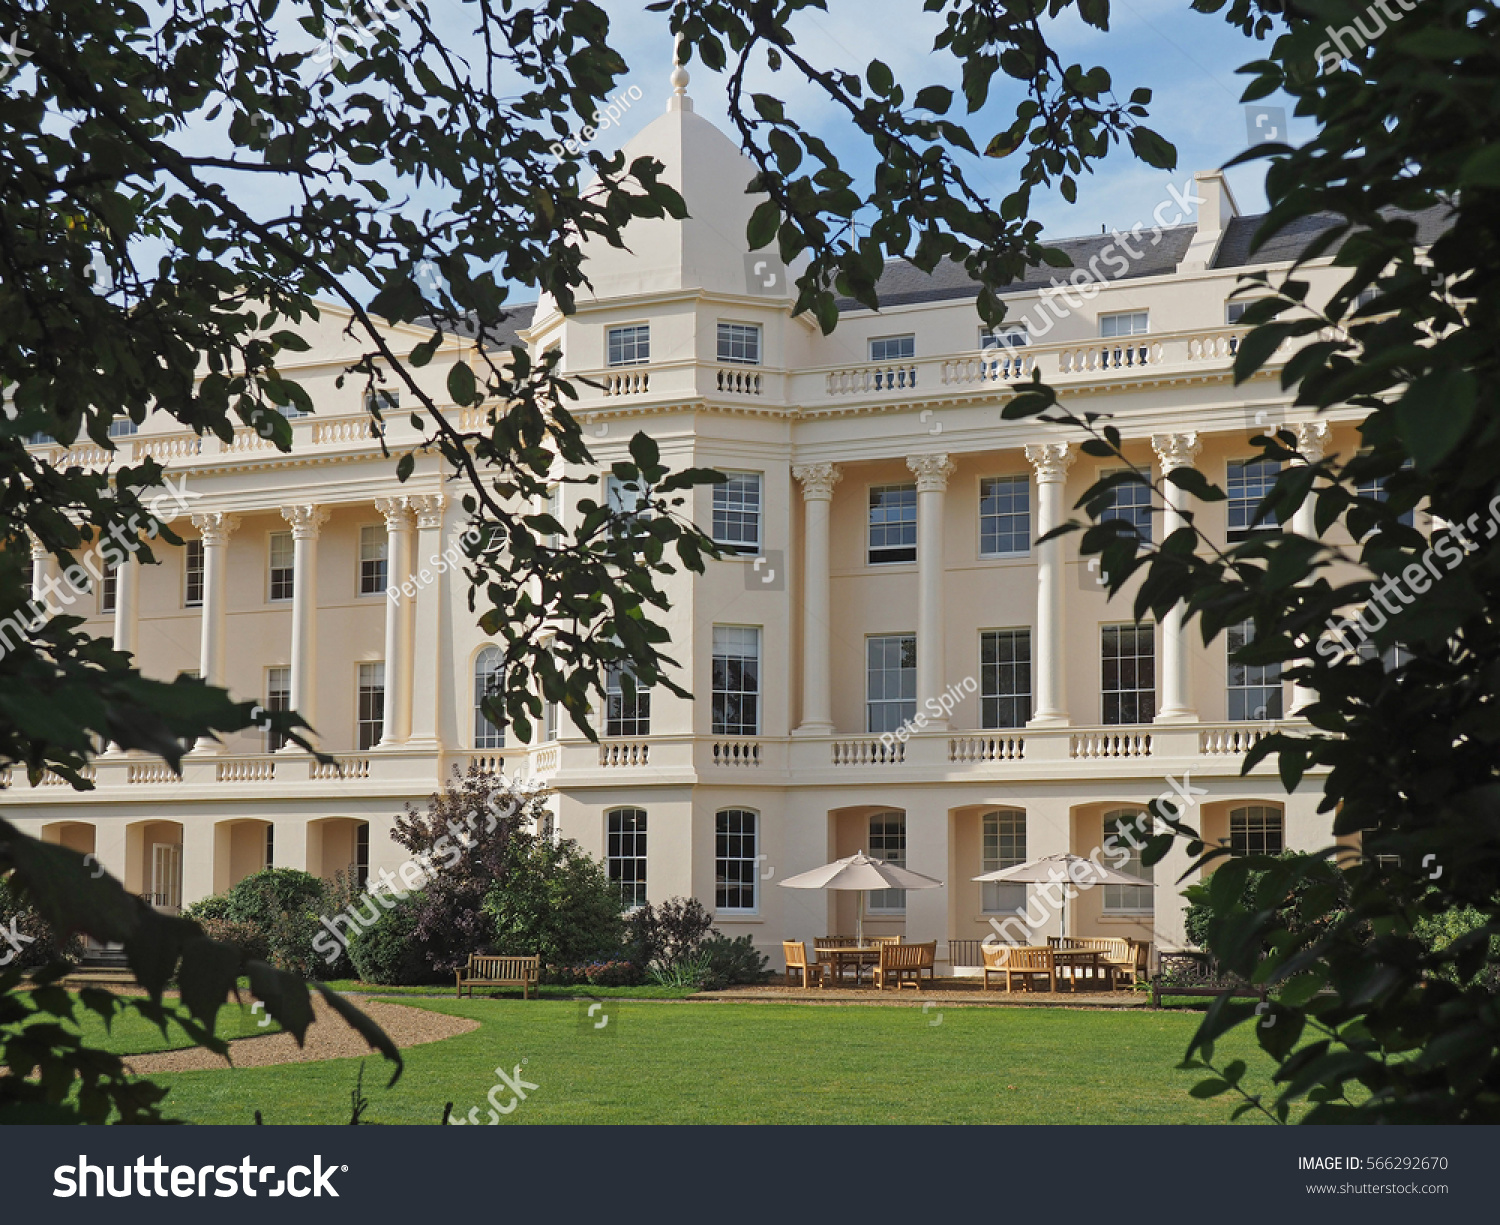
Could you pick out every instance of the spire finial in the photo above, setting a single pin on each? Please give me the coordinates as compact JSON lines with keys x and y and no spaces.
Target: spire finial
{"x":679,"y":101}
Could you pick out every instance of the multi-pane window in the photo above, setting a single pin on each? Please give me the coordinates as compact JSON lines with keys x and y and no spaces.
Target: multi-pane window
{"x":1254,"y":689}
{"x":1131,"y":504}
{"x":1249,"y":481}
{"x":1003,"y":838}
{"x":1124,"y":323}
{"x":374,"y":568}
{"x":192,"y":574}
{"x":625,"y":498}
{"x":736,"y":680}
{"x":270,"y":845}
{"x":371,"y":707}
{"x":1129,"y":673}
{"x":1004,"y":516}
{"x":555,"y":513}
{"x":109,"y":589}
{"x":1256,"y":830}
{"x":278,"y":697}
{"x":888,"y":842}
{"x":1005,"y":336}
{"x":1004,"y":678}
{"x":629,"y":345}
{"x":893,"y":524}
{"x":625,"y":713}
{"x":383,"y":399}
{"x":891,"y":681}
{"x":737,"y":508}
{"x":893,"y":348}
{"x":736,"y":859}
{"x":1375,"y":489}
{"x":282,"y":554}
{"x":361,"y":863}
{"x":1130,"y":828}
{"x":625,"y":853}
{"x":1234,"y":311}
{"x":489,"y":680}
{"x":739,"y":343}
{"x":122,"y":427}
{"x":549,"y":722}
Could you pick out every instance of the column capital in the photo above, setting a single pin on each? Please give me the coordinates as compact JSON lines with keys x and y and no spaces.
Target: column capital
{"x":215,"y":526}
{"x":1176,"y":450}
{"x":428,"y":508}
{"x":1312,"y":440}
{"x":1051,"y":459}
{"x":932,"y":471}
{"x":38,"y":549}
{"x":305,"y":519}
{"x":397,"y":512}
{"x":817,"y":480}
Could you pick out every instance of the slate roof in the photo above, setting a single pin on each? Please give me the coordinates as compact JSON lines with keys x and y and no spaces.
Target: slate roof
{"x":1292,"y":239}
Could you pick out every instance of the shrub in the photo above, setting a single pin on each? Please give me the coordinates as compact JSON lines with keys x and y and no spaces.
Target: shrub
{"x":46,"y":943}
{"x":389,"y":951}
{"x":252,"y":943}
{"x":612,"y":973}
{"x":731,"y":963}
{"x":1314,"y":902}
{"x":670,"y":933}
{"x":1438,"y":932}
{"x":282,"y":905}
{"x":555,"y":901}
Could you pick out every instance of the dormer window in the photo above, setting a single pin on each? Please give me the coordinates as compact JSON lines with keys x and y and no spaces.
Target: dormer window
{"x":629,"y":345}
{"x":739,"y":343}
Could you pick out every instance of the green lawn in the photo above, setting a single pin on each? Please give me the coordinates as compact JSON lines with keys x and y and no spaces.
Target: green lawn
{"x":131,"y":1034}
{"x":755,"y":1063}
{"x":351,"y":986}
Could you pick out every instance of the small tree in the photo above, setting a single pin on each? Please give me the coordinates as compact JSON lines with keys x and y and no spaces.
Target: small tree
{"x":556,"y":901}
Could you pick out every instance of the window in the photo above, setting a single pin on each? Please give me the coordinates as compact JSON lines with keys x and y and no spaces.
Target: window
{"x":1004,"y":336}
{"x":1250,"y":480}
{"x":282,"y":554}
{"x":1004,"y":516}
{"x":122,"y":427}
{"x":384,"y":399}
{"x":1003,"y":845}
{"x":109,"y":590}
{"x":624,"y":497}
{"x":1004,"y":678}
{"x":1235,"y":311}
{"x":625,"y":714}
{"x":1365,"y":296}
{"x":192,"y":575}
{"x":1393,"y":657}
{"x":1254,"y":689}
{"x":270,"y":846}
{"x":890,"y":681}
{"x":1375,"y":489}
{"x":1128,"y":827}
{"x":893,"y":524}
{"x":1129,"y":688}
{"x":278,"y":697}
{"x":489,"y":679}
{"x":373,"y":565}
{"x":628,"y":346}
{"x":371,"y":705}
{"x":1256,"y":830}
{"x":736,"y":859}
{"x":1132,"y":504}
{"x":549,"y":722}
{"x":625,"y":854}
{"x":736,"y":680}
{"x":1124,"y":323}
{"x":893,"y":348}
{"x":361,"y":863}
{"x":888,"y":842}
{"x":739,"y":343}
{"x":737,"y":505}
{"x":554,"y":509}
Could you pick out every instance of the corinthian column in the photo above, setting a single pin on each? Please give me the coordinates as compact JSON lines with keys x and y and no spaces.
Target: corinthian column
{"x":932,"y":473}
{"x":215,"y":527}
{"x":1312,"y":442}
{"x":428,"y":638}
{"x":305,"y":521}
{"x":398,"y":523}
{"x":817,"y":482}
{"x":1051,"y":460}
{"x":1175,"y":451}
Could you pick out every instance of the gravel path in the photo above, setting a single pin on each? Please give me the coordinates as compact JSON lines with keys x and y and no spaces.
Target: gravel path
{"x":328,"y":1037}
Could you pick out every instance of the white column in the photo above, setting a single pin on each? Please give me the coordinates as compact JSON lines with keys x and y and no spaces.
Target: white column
{"x":1175,"y":451}
{"x":398,"y":524}
{"x":215,"y":527}
{"x":932,"y":473}
{"x":1312,"y":442}
{"x":1051,"y":460}
{"x":41,"y":570}
{"x":428,"y":630}
{"x":305,"y":520}
{"x":817,"y":481}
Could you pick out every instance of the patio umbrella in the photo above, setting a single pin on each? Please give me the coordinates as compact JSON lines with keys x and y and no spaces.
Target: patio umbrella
{"x":861,"y":872}
{"x":1051,"y":868}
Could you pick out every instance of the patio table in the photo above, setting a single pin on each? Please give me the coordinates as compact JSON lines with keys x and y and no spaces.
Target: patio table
{"x":1079,"y":961}
{"x":858,"y":955}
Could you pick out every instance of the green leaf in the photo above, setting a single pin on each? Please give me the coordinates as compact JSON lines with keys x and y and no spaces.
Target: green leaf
{"x":879,"y":77}
{"x":934,"y":98}
{"x":762,"y":226}
{"x":1152,"y":149}
{"x":461,"y":384}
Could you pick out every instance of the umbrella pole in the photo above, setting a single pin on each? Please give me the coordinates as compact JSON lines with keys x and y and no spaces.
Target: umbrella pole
{"x":860,"y":922}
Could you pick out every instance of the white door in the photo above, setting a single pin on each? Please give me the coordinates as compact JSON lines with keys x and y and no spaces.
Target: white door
{"x":166,"y":876}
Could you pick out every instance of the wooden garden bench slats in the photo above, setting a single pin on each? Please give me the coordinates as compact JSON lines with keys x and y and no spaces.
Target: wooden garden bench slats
{"x":1022,"y":961}
{"x":1126,"y":956}
{"x":900,"y":961}
{"x":484,"y":970}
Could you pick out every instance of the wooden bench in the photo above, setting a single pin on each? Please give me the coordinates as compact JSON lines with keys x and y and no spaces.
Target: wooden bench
{"x":488,"y":971}
{"x":1197,"y":974}
{"x":1128,"y":958}
{"x":1015,"y":960}
{"x":900,"y":961}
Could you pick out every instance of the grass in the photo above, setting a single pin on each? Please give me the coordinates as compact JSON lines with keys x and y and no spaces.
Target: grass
{"x":132,"y":1034}
{"x":351,"y":986}
{"x":755,"y":1063}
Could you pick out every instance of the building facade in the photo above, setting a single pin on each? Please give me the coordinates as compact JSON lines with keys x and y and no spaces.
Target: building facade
{"x":884,"y":661}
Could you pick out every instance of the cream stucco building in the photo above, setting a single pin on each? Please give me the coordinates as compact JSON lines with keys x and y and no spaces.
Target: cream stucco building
{"x":883,"y":518}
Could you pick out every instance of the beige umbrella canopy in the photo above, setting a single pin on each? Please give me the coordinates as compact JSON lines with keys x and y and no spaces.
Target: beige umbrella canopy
{"x":862,"y":873}
{"x":1075,"y":869}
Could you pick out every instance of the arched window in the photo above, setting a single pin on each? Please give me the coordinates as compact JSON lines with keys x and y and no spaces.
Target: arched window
{"x":736,"y":859}
{"x":489,"y":676}
{"x":625,"y":853}
{"x":1129,"y":828}
{"x":1003,"y":834}
{"x":1256,"y":829}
